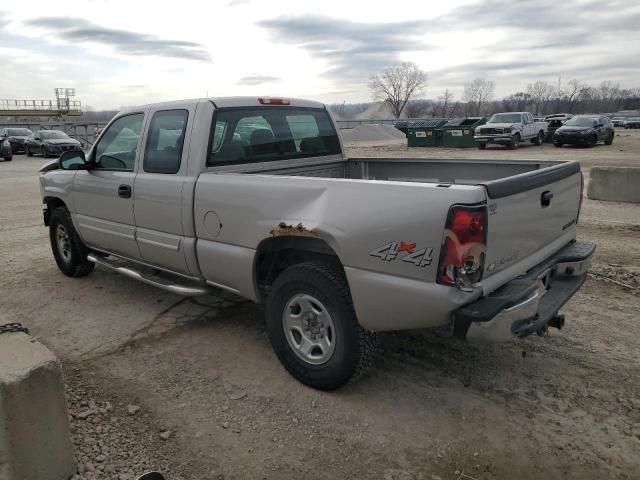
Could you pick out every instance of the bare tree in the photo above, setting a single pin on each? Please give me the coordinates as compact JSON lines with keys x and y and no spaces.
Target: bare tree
{"x":418,"y":108}
{"x":396,"y":85}
{"x":516,"y":102}
{"x":478,"y":93}
{"x":540,"y":92}
{"x":444,"y":102}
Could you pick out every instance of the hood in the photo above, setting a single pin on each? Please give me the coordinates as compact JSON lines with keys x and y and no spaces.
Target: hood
{"x":497,"y":125}
{"x":52,"y":165}
{"x":62,"y":141}
{"x":572,"y":128}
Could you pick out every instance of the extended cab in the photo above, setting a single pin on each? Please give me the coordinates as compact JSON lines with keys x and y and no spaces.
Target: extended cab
{"x":255,"y":196}
{"x":510,"y":129}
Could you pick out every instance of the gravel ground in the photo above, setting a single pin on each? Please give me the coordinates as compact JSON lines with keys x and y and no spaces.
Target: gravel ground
{"x":213,"y":401}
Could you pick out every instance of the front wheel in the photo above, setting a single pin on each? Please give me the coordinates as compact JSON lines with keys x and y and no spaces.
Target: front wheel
{"x":28,"y":151}
{"x":515,"y":142}
{"x":68,"y":250}
{"x":609,"y":140}
{"x":43,"y":151}
{"x":313,"y":327}
{"x":594,"y":141}
{"x":482,"y":146}
{"x":556,"y":144}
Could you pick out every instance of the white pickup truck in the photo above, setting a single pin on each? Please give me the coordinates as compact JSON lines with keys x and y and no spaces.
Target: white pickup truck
{"x":510,"y":129}
{"x":255,"y":196}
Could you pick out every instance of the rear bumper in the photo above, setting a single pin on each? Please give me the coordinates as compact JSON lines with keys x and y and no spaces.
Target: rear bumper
{"x":526,"y":304}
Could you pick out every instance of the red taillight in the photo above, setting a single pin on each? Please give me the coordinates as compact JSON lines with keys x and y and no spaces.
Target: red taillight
{"x":273,"y":101}
{"x":463,"y":246}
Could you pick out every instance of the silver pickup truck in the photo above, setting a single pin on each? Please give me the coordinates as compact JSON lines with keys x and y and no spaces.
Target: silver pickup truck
{"x":255,"y":196}
{"x":510,"y":129}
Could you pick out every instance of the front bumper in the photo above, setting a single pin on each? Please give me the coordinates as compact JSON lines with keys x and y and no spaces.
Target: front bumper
{"x":573,"y":139}
{"x":17,"y":146}
{"x":499,"y":139}
{"x":528,"y":303}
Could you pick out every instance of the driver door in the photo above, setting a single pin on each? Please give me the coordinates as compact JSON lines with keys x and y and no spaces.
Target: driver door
{"x":103,"y":195}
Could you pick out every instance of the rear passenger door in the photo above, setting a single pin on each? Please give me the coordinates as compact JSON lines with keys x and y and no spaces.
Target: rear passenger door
{"x":159,"y":189}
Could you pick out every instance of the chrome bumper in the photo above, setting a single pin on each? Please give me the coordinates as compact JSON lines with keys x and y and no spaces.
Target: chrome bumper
{"x":527,"y":304}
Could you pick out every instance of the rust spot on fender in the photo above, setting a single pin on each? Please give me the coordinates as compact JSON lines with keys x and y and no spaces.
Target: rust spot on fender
{"x":284,"y":230}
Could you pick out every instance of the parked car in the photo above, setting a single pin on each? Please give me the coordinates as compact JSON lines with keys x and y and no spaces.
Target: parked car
{"x":510,"y":129}
{"x":50,"y":143}
{"x":633,"y":122}
{"x":619,"y":121}
{"x":585,"y":130}
{"x":554,"y":122}
{"x":16,"y":137}
{"x":255,"y":196}
{"x":5,"y":150}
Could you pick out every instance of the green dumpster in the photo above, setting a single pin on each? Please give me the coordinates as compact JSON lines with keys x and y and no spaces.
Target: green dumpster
{"x":459,"y":131}
{"x":425,"y":133}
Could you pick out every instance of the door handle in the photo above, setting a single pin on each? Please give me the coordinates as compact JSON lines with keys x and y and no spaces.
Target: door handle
{"x":545,"y":199}
{"x":124,"y":191}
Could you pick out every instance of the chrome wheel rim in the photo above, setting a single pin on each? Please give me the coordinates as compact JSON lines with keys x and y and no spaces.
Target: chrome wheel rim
{"x":309,"y":329}
{"x":63,"y":242}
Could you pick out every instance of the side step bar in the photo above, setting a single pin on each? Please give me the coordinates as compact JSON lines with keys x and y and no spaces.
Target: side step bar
{"x":164,"y":281}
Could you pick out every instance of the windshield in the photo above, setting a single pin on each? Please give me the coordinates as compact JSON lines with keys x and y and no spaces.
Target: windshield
{"x":265,"y":134}
{"x":506,"y":118}
{"x":53,"y":135}
{"x":581,"y":122}
{"x":19,"y":132}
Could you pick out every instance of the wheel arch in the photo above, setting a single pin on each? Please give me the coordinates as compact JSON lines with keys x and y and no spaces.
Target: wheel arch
{"x":277,"y":253}
{"x":52,"y":203}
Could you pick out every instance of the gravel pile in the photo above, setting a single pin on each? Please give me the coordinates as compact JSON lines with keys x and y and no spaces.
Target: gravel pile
{"x":114,"y":440}
{"x":368,"y":133}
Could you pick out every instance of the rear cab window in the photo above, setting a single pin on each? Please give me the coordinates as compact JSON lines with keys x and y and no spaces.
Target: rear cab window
{"x":264,"y":134}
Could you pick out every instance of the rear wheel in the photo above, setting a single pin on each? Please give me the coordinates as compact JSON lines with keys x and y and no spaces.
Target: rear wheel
{"x":313,"y":327}
{"x":539,"y":139}
{"x":482,"y":146}
{"x":68,"y":250}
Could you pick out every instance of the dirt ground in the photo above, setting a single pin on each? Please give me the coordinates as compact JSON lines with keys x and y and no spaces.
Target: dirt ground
{"x":192,"y":388}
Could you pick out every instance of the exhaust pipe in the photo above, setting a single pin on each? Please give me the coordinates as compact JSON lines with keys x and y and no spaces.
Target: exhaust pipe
{"x":557,"y":321}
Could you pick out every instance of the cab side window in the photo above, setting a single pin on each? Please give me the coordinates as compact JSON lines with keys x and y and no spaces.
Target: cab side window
{"x":165,"y":141}
{"x":117,"y":148}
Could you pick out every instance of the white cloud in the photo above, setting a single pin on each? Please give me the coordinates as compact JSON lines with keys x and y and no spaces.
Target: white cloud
{"x":121,"y":52}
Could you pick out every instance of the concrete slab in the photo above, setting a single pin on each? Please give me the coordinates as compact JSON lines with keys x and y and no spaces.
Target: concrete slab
{"x":615,"y":184}
{"x":35,"y":443}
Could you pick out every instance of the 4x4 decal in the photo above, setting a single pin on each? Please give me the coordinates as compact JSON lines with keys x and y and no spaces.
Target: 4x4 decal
{"x":393,"y":250}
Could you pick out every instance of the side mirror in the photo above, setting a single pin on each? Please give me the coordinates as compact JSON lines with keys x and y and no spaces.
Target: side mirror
{"x":73,"y":160}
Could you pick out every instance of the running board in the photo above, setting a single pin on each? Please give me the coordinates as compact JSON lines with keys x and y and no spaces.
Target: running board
{"x":161,"y":280}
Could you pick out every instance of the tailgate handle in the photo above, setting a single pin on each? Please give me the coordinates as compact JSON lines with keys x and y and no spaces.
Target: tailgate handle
{"x":545,"y":199}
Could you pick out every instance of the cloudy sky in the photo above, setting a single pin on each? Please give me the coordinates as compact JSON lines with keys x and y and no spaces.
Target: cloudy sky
{"x":125,"y":52}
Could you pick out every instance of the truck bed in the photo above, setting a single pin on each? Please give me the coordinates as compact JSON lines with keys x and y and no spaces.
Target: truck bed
{"x":439,"y":171}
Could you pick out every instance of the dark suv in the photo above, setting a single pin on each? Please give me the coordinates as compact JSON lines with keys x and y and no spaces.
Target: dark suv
{"x":584,"y":130}
{"x":16,"y":137}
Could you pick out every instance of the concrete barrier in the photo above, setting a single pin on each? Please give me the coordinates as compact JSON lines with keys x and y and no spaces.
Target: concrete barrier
{"x":35,"y":443}
{"x":615,"y":184}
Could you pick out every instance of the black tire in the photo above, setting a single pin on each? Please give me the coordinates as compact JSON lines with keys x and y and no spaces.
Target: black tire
{"x":539,"y":139}
{"x":76,"y":263}
{"x":594,"y":141}
{"x":609,"y":140}
{"x":482,"y":146}
{"x":28,"y":151}
{"x":353,"y":345}
{"x":515,"y":142}
{"x":43,"y":152}
{"x":556,"y":144}
{"x":8,"y":159}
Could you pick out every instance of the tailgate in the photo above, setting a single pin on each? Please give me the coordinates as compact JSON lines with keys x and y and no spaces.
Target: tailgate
{"x":530,"y":214}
